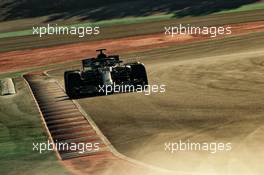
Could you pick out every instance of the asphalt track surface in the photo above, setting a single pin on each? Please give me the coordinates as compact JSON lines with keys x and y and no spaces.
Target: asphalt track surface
{"x":209,"y":99}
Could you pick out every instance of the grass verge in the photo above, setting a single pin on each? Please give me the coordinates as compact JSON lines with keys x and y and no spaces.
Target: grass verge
{"x":20,"y":126}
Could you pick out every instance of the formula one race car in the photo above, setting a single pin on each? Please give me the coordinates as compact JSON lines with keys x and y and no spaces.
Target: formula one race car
{"x":104,"y":74}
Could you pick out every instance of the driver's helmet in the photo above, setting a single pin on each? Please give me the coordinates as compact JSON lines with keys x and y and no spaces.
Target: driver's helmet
{"x":101,"y":55}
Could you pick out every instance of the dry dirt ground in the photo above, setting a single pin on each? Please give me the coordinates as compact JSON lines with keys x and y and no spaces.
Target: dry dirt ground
{"x":19,"y":60}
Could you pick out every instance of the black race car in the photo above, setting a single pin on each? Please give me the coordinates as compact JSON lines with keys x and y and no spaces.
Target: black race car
{"x":105,"y":74}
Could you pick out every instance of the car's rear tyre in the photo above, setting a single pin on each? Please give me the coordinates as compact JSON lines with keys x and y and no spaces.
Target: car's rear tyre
{"x":139,"y":74}
{"x":72,"y":81}
{"x":66,"y":80}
